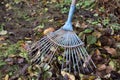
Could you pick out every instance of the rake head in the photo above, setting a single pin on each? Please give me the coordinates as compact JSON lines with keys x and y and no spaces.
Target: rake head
{"x":75,"y":57}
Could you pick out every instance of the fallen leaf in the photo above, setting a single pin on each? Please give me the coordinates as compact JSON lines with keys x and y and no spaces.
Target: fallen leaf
{"x":101,"y":67}
{"x":7,"y":77}
{"x":97,"y":52}
{"x":88,"y":30}
{"x":83,"y":25}
{"x":77,"y":24}
{"x":70,"y":76}
{"x":2,"y":38}
{"x":3,"y":32}
{"x":48,"y":30}
{"x":98,"y":43}
{"x":97,"y":34}
{"x":111,"y":51}
{"x":91,"y":39}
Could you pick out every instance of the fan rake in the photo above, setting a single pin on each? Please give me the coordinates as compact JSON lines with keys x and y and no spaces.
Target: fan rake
{"x":75,"y":57}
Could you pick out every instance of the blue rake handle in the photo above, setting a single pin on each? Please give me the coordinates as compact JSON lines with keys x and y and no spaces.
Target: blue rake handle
{"x":68,"y":25}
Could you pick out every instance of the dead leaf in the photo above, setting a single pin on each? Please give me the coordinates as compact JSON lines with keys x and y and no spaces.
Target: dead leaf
{"x":2,"y":38}
{"x":97,"y":52}
{"x":83,"y":25}
{"x":70,"y":76}
{"x":101,"y":67}
{"x":77,"y":24}
{"x":97,"y":34}
{"x":111,"y":51}
{"x":7,"y":77}
{"x":98,"y":43}
{"x":48,"y":30}
{"x":109,"y":69}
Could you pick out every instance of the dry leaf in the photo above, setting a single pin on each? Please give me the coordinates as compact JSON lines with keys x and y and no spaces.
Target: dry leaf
{"x":7,"y":77}
{"x":97,"y":52}
{"x":70,"y":76}
{"x":102,"y":67}
{"x":111,"y":51}
{"x":98,"y":43}
{"x":77,"y":24}
{"x":83,"y":25}
{"x":48,"y":30}
{"x":97,"y":34}
{"x":2,"y":38}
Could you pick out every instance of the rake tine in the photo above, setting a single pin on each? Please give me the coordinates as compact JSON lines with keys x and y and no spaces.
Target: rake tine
{"x":52,"y":55}
{"x":40,"y":49}
{"x":88,"y":55}
{"x":40,"y":43}
{"x":85,"y":59}
{"x":76,"y":53}
{"x":78,"y":58}
{"x":81,"y":57}
{"x":46,"y":46}
{"x":69,"y":60}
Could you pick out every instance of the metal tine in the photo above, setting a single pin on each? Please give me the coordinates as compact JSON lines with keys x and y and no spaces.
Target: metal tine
{"x":75,"y":52}
{"x":65,"y":51}
{"x":70,"y":42}
{"x":37,"y":43}
{"x":69,"y":60}
{"x":81,"y":57}
{"x":46,"y":42}
{"x":44,"y":51}
{"x":78,"y":56}
{"x":78,"y":38}
{"x":64,"y":59}
{"x":84,"y":54}
{"x":85,"y":58}
{"x":50,"y":52}
{"x":67,"y":54}
{"x":88,"y":55}
{"x":40,"y":43}
{"x":47,"y":45}
{"x":53,"y":54}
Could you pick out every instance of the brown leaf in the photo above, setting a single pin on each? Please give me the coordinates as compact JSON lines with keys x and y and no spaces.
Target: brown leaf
{"x":83,"y":25}
{"x":2,"y":38}
{"x":48,"y":30}
{"x":70,"y":76}
{"x":109,"y":69}
{"x":102,"y":67}
{"x":111,"y":51}
{"x":97,"y":52}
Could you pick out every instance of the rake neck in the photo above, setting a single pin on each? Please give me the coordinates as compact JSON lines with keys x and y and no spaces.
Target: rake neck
{"x":68,"y":24}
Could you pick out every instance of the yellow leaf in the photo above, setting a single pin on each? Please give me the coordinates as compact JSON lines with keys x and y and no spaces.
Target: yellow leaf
{"x":98,"y":43}
{"x":7,"y":77}
{"x":48,"y":30}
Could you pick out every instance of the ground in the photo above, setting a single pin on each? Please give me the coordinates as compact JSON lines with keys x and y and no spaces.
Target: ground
{"x":23,"y":22}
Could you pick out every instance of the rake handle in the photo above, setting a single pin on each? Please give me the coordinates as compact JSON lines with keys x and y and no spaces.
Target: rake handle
{"x":73,"y":2}
{"x":68,"y":25}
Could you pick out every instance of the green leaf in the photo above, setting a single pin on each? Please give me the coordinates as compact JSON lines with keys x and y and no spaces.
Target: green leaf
{"x":87,"y":30}
{"x":2,"y":63}
{"x":91,"y":39}
{"x":112,"y":64}
{"x":3,"y":32}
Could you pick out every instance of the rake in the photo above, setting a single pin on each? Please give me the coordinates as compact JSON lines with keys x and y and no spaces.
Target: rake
{"x":75,"y":57}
